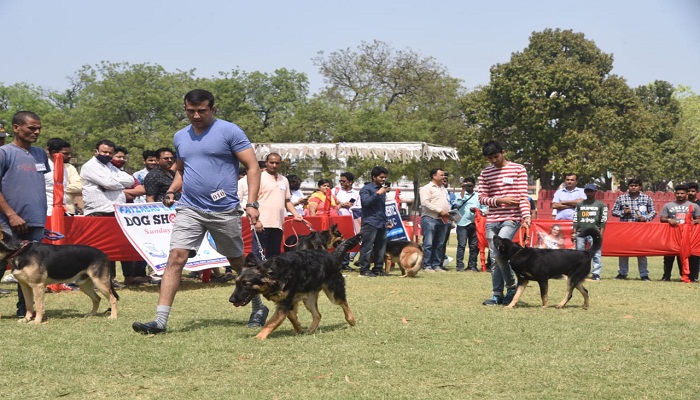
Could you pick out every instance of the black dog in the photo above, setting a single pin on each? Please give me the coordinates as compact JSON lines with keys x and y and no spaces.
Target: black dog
{"x":293,"y":277}
{"x":542,"y":264}
{"x":36,"y":264}
{"x":318,"y":240}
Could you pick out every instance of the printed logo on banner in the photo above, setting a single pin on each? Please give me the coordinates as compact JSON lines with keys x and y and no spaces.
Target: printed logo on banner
{"x":396,"y":230}
{"x":148,"y":227}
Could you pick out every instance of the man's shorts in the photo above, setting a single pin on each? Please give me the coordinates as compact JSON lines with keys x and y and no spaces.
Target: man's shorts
{"x":191,"y":225}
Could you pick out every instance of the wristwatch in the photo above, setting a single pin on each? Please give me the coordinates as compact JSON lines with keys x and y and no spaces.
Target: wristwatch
{"x":254,"y":204}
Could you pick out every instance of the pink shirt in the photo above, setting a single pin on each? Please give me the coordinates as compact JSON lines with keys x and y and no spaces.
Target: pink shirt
{"x":272,"y":197}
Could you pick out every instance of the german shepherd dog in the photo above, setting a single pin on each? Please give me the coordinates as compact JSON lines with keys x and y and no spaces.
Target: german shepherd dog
{"x":36,"y":264}
{"x":318,"y":240}
{"x":407,"y":254}
{"x":293,"y":277}
{"x":542,"y":264}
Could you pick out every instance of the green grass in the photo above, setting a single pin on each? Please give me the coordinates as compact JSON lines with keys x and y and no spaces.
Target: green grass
{"x":421,"y":338}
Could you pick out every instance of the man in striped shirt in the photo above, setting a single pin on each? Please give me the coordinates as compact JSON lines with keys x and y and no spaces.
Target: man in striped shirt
{"x":503,"y":188}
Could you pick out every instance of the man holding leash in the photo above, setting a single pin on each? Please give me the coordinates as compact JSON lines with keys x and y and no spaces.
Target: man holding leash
{"x":22,"y":188}
{"x":274,"y":198}
{"x":502,"y":187}
{"x":208,"y":154}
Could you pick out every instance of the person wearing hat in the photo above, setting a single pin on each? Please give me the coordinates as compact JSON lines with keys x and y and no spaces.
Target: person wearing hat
{"x":590,"y":213}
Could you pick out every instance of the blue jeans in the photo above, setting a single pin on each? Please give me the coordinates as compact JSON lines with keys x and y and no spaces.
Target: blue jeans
{"x":373,"y":248}
{"x":501,"y":271}
{"x":597,"y":259}
{"x":467,"y":234}
{"x":34,"y":234}
{"x":433,"y":240}
{"x":624,"y":264}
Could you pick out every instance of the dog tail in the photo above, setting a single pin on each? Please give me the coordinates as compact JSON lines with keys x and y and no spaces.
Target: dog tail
{"x":345,"y":246}
{"x":597,"y":239}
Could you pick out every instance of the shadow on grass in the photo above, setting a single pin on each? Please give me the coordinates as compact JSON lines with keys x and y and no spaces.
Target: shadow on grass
{"x":285,"y":330}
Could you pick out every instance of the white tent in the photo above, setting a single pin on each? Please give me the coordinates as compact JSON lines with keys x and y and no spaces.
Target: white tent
{"x":387,"y":151}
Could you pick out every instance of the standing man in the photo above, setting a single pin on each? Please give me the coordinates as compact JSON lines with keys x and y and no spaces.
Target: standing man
{"x":567,"y":198}
{"x":159,"y":179}
{"x":297,"y":199}
{"x":634,"y":206}
{"x":467,"y":203}
{"x":274,"y":198}
{"x":348,"y":204}
{"x":104,"y":185}
{"x":208,"y":154}
{"x":450,"y":199}
{"x":434,"y":221}
{"x":150,"y":161}
{"x":22,"y":188}
{"x":103,"y":182}
{"x":502,"y":187}
{"x":346,"y":195}
{"x":373,"y":230}
{"x":675,"y":213}
{"x":590,"y":213}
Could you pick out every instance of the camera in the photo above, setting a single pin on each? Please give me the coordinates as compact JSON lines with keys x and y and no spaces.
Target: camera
{"x":387,"y":184}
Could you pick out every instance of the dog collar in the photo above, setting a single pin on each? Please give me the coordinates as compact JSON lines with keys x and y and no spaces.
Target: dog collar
{"x":516,"y":253}
{"x":19,"y":251}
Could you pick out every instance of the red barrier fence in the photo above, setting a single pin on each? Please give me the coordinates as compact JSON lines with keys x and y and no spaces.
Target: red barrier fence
{"x":105,"y":233}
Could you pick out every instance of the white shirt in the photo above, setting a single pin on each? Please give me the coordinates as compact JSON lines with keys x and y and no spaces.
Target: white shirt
{"x":103,"y":186}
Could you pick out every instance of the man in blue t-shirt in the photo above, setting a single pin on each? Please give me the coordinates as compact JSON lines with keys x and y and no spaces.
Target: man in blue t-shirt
{"x":208,"y":154}
{"x":22,"y":188}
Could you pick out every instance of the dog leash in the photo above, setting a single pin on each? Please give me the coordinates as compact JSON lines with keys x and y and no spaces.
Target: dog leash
{"x":257,"y":240}
{"x":53,"y":235}
{"x":23,"y":245}
{"x":296,"y":235}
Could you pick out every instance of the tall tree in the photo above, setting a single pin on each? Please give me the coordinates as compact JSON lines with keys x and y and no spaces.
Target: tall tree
{"x":137,"y":106}
{"x":547,"y":104}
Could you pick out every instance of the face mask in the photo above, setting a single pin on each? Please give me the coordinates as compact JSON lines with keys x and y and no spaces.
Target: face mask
{"x":118,"y":163}
{"x":104,"y":159}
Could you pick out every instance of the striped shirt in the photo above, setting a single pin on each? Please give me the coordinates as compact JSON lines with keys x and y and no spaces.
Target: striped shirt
{"x":508,"y":181}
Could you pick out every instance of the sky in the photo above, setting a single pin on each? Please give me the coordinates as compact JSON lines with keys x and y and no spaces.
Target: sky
{"x":47,"y":41}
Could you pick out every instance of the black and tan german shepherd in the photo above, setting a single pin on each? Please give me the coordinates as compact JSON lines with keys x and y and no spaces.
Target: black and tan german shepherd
{"x":531,"y":264}
{"x":291,"y":278}
{"x":315,"y":240}
{"x":36,"y":264}
{"x":407,"y":254}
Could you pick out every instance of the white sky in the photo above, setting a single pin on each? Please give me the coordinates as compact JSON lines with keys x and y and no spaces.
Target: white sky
{"x":47,"y":40}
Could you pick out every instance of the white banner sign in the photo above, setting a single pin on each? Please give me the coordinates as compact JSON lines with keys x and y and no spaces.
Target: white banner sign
{"x":148,"y":227}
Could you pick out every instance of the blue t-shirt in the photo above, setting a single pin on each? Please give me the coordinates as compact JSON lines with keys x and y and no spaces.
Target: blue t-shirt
{"x":22,"y":183}
{"x":211,"y":165}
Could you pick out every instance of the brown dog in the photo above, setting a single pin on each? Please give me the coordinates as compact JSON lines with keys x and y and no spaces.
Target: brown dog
{"x":295,"y":277}
{"x":37,"y":264}
{"x":407,"y":254}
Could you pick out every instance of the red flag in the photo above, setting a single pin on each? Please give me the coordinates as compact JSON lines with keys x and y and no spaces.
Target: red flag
{"x":56,"y":221}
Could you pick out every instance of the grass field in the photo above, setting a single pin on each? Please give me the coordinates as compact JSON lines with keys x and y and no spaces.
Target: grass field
{"x":421,"y":338}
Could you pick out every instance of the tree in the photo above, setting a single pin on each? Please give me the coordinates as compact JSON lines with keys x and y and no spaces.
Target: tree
{"x":261,"y":103}
{"x":391,"y":94}
{"x":136,"y":106}
{"x":549,"y":105}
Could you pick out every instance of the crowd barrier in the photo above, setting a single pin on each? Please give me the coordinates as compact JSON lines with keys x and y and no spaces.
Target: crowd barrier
{"x":105,"y":234}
